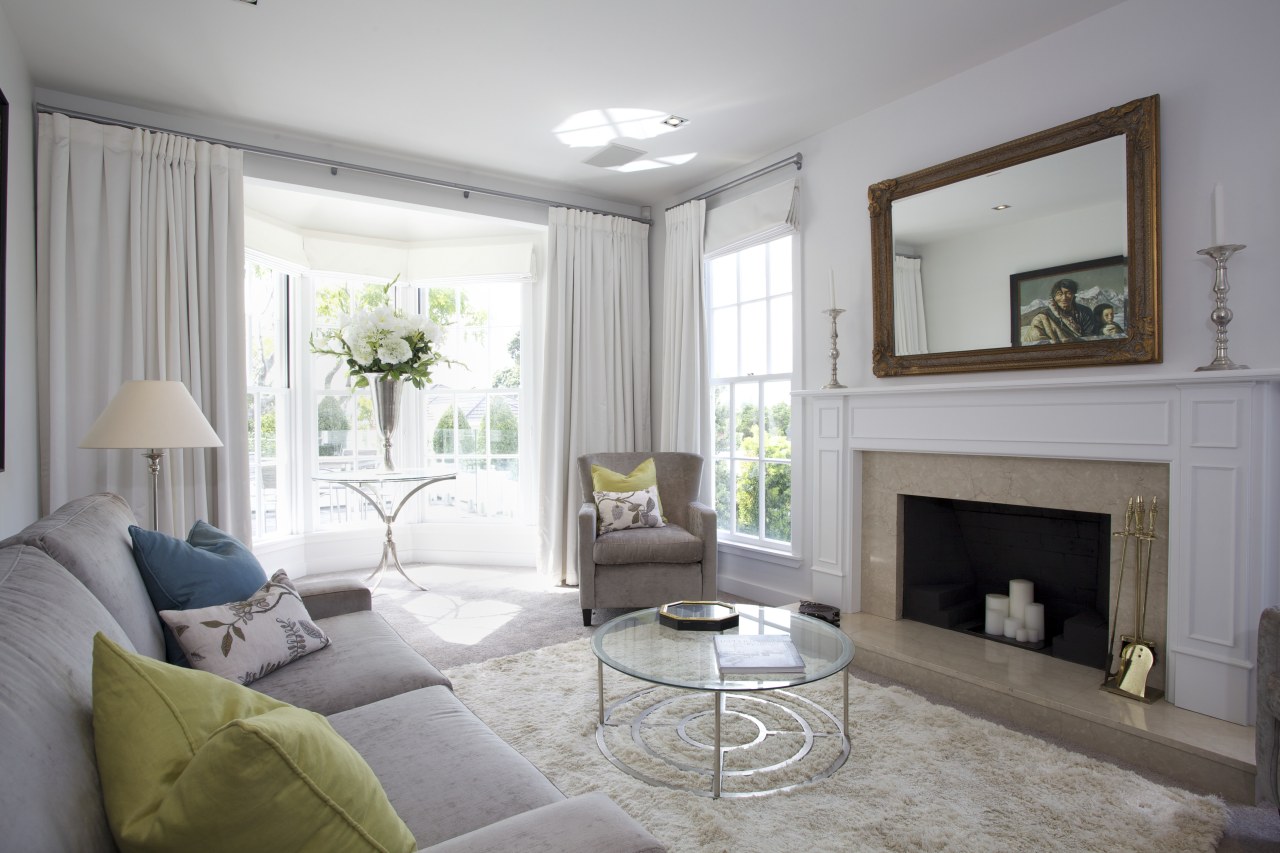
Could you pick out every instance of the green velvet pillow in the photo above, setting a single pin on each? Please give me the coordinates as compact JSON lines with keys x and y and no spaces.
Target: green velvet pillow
{"x":191,"y":761}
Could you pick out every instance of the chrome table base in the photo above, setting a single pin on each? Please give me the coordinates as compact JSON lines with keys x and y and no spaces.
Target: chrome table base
{"x":724,"y":705}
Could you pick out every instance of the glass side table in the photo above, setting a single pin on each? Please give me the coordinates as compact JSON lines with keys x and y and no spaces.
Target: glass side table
{"x":368,"y":485}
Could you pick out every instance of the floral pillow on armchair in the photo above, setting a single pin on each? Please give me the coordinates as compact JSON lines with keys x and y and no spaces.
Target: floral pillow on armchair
{"x":622,"y":510}
{"x":245,"y":640}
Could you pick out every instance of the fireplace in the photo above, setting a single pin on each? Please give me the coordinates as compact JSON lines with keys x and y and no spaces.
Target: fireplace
{"x":1201,"y":442}
{"x":957,"y":552}
{"x":1074,"y":488}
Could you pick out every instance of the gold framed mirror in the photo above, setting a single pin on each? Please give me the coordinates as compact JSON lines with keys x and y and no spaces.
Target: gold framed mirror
{"x":1041,"y":252}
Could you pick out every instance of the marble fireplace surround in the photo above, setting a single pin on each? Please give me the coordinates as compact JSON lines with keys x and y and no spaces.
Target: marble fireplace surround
{"x":1205,"y":443}
{"x":1083,"y":485}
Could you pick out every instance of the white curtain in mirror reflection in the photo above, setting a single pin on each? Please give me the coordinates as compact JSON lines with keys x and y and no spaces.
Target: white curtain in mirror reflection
{"x":908,"y":307}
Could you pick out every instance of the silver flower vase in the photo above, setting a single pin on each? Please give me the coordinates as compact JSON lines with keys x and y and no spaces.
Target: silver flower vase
{"x":386,"y":410}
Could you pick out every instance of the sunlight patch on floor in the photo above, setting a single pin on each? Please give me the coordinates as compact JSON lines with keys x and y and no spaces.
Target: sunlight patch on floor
{"x":460,"y":621}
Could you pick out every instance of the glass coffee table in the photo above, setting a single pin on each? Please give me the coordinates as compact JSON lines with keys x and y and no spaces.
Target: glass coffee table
{"x":638,"y":645}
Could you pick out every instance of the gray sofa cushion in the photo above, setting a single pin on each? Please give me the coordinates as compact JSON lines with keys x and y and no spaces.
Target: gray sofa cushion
{"x":445,"y":772}
{"x":89,"y":536}
{"x":588,"y":823}
{"x":50,"y":788}
{"x":366,"y":660}
{"x":668,"y":544}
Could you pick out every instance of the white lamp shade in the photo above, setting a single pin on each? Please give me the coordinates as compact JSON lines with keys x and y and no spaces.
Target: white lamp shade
{"x":151,"y":414}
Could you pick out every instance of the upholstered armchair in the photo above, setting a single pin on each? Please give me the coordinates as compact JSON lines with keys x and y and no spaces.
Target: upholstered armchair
{"x":1267,"y":730}
{"x":648,"y":566}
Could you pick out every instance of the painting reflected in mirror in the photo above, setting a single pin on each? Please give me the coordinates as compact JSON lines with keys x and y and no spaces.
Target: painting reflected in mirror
{"x":967,"y":255}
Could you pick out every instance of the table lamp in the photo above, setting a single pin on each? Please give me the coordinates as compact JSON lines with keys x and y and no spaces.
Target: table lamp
{"x":151,"y":415}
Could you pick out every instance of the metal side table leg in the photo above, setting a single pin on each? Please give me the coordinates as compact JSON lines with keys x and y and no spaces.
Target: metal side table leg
{"x":719,"y":761}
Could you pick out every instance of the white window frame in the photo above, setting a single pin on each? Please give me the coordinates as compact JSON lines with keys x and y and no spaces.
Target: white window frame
{"x":760,"y":544}
{"x":298,"y":449}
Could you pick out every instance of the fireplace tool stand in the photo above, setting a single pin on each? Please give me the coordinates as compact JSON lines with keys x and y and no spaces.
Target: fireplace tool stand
{"x":1137,"y":654}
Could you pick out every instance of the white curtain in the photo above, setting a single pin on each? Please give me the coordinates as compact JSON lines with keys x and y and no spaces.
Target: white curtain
{"x":595,"y":388}
{"x":685,"y":420}
{"x":908,"y":307}
{"x":140,"y":275}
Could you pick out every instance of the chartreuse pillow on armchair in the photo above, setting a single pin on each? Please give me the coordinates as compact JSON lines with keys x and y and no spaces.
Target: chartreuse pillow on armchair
{"x":210,"y":567}
{"x":627,"y":500}
{"x":191,"y":761}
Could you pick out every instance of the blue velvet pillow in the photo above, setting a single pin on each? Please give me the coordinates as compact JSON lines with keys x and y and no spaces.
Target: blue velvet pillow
{"x":209,"y":568}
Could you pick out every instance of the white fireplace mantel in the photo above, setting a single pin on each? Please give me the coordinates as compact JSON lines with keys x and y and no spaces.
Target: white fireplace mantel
{"x":1219,"y":432}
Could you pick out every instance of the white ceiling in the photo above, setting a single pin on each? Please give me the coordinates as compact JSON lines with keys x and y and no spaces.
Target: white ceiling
{"x":481,"y":85}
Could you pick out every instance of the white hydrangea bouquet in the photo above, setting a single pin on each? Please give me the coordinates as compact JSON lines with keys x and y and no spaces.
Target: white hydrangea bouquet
{"x":383,"y":340}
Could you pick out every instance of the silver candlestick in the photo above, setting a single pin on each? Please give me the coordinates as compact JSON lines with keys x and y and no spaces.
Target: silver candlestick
{"x":1221,"y":314}
{"x":833,"y":313}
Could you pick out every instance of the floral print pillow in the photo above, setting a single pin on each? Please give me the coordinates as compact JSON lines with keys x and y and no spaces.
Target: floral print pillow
{"x":245,"y":640}
{"x":621,"y":510}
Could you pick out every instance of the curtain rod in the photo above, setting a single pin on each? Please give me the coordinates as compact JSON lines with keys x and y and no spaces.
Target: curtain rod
{"x":337,"y":164}
{"x":796,"y":158}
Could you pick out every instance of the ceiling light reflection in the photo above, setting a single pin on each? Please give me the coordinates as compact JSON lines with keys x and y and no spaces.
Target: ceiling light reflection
{"x":593,"y":128}
{"x":654,"y":163}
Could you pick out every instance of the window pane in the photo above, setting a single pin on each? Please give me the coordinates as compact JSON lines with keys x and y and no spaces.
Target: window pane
{"x":747,"y":418}
{"x":724,"y":335}
{"x":780,"y":334}
{"x":504,"y":428}
{"x":504,"y":355}
{"x":721,"y":393}
{"x":264,"y":462}
{"x":752,"y":267}
{"x":777,"y":420}
{"x":777,"y":501}
{"x":723,"y":494}
{"x":333,"y":424}
{"x":755,"y":338}
{"x":747,"y":477}
{"x":723,"y":275}
{"x":780,"y":266}
{"x":264,"y":298}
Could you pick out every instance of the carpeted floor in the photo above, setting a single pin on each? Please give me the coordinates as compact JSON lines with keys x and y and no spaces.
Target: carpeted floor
{"x":473,"y":614}
{"x":919,"y":776}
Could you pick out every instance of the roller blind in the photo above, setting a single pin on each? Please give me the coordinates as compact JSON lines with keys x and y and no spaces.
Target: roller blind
{"x":756,"y":218}
{"x":508,"y":257}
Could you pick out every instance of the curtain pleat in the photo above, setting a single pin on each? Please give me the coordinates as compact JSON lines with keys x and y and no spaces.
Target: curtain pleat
{"x":685,"y":417}
{"x":595,"y":387}
{"x":140,"y":275}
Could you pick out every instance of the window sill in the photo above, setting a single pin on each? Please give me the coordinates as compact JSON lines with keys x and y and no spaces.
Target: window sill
{"x":756,"y":552}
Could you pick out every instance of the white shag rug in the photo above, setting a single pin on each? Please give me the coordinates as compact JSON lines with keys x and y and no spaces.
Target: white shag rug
{"x":919,"y":776}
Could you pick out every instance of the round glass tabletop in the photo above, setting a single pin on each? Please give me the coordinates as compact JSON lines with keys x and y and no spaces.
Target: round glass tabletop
{"x":640,"y":646}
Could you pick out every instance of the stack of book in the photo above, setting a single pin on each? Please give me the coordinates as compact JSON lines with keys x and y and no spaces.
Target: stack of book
{"x":745,"y":654}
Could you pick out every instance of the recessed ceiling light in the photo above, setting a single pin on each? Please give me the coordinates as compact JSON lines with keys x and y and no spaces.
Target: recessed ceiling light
{"x":675,"y":121}
{"x":1001,"y":207}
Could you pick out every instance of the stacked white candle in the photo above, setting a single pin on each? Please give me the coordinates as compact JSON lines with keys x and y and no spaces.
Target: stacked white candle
{"x":1020,"y":595}
{"x":997,"y":612}
{"x":1015,"y":615}
{"x":1033,"y":619}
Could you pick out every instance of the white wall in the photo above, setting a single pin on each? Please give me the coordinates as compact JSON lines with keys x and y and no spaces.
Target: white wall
{"x":1215,"y":67}
{"x":19,"y":484}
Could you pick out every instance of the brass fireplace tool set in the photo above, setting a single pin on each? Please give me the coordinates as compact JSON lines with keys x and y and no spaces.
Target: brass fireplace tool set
{"x":1137,"y":654}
